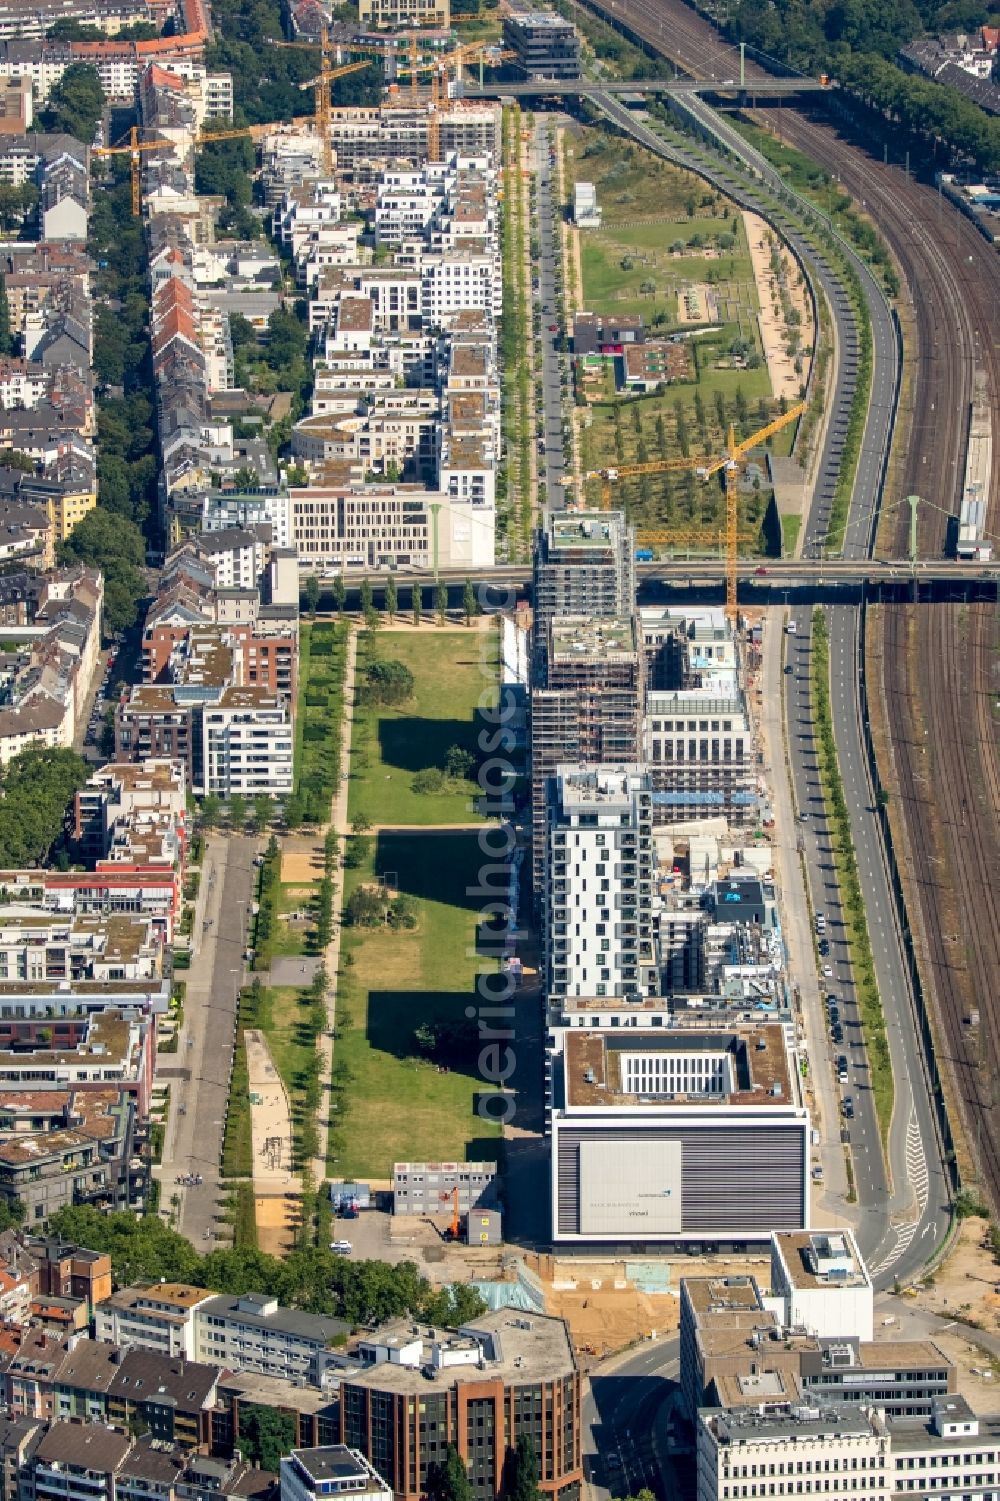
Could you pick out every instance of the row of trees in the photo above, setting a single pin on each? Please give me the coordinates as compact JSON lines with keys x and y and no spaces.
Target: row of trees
{"x":311,"y":1279}
{"x":857,"y":43}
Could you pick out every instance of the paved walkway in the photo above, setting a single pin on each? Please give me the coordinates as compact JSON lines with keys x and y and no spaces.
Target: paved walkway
{"x":331,"y":958}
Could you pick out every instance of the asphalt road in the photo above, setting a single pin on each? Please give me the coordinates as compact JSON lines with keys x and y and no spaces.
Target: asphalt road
{"x":198,"y":1073}
{"x":551,"y":460}
{"x":902,"y":1217}
{"x":627,"y":1428}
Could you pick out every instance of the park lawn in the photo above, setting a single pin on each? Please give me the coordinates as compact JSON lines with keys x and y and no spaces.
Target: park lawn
{"x":790,"y":528}
{"x":396,"y":1106}
{"x":451,"y":672}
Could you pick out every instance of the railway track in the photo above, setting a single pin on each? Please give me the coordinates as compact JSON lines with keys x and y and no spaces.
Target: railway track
{"x":936,"y":663}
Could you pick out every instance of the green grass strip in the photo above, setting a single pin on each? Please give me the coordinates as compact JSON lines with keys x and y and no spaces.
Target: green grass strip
{"x":846,"y":868}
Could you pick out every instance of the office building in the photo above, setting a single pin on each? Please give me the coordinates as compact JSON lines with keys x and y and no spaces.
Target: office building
{"x":379,"y":15}
{"x":443,"y":1187}
{"x":546,"y":45}
{"x":599,"y":883}
{"x":676,"y":1137}
{"x":802,"y":1450}
{"x":735,"y":1348}
{"x":480,"y":1388}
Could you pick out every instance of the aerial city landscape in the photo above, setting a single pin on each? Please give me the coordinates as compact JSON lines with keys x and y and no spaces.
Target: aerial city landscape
{"x":499,"y":750}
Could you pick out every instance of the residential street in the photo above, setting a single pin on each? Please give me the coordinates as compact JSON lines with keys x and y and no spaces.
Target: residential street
{"x":198,"y":1074}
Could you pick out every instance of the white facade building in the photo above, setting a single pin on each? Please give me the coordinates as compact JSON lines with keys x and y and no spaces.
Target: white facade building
{"x":819,"y":1282}
{"x":600,"y":875}
{"x":248,"y":740}
{"x":794,"y":1451}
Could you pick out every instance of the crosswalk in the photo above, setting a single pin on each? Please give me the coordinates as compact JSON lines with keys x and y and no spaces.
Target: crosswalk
{"x":918,"y":1178}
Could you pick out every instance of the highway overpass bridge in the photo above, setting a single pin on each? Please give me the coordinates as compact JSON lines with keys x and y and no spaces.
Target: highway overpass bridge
{"x":533,"y":88}
{"x":702,"y":581}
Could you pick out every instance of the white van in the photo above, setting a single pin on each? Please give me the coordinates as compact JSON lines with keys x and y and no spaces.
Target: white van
{"x":791,"y":629}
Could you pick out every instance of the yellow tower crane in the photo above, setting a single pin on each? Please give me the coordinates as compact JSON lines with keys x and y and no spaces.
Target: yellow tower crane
{"x":704,"y":468}
{"x":321,"y":83}
{"x":134,"y":148}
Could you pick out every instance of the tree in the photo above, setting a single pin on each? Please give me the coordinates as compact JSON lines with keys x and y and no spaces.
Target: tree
{"x":312,"y":594}
{"x":458,"y":762}
{"x":469,"y":602}
{"x":211,"y":808}
{"x":417,"y":594}
{"x":6,"y":341}
{"x":339,"y":593}
{"x":114,"y":545}
{"x":12,"y":1213}
{"x":75,"y":104}
{"x":387,"y":683}
{"x":37,"y":786}
{"x":106,"y":745}
{"x":524,"y":1471}
{"x":448,"y":1481}
{"x":266,"y":1435}
{"x":241,"y":331}
{"x":262,"y":810}
{"x":237,"y":812}
{"x":391,"y":597}
{"x":441,"y":603}
{"x":365,"y":596}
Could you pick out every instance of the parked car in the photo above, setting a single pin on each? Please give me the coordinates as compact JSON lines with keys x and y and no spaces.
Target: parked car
{"x":341,"y":1247}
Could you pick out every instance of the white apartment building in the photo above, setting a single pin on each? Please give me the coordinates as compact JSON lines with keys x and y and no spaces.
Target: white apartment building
{"x":235,"y":555}
{"x":247,"y":745}
{"x":159,"y":1318}
{"x":222,"y":509}
{"x":793,"y":1451}
{"x":600,"y":880}
{"x":819,"y":1282}
{"x":254,"y":1333}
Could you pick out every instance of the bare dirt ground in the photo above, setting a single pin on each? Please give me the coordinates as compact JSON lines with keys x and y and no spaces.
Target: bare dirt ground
{"x":784,"y":380}
{"x":965,"y":1285}
{"x":607,"y":1310}
{"x":277,"y":1221}
{"x":301,"y":860}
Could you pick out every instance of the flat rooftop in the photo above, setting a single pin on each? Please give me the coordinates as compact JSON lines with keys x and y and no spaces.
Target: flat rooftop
{"x":825,"y":1259}
{"x":519,"y":1348}
{"x":583,"y":638}
{"x":744,"y":1425}
{"x":757,"y":1059}
{"x":585,"y":529}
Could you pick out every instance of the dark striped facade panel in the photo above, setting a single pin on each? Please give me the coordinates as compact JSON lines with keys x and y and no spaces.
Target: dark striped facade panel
{"x":736,"y":1181}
